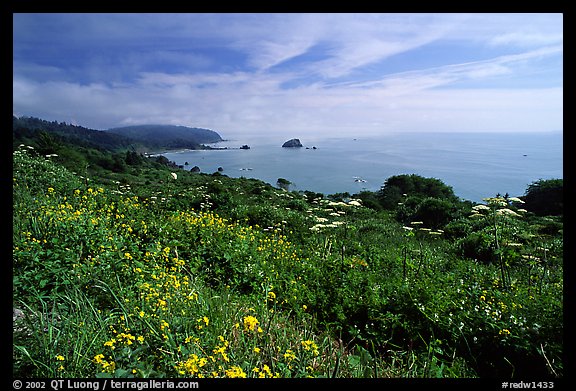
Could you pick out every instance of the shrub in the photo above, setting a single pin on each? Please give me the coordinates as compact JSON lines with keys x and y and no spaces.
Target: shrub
{"x":395,"y":187}
{"x":545,"y":197}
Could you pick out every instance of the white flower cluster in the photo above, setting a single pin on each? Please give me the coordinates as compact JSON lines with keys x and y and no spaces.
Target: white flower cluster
{"x":499,"y":205}
{"x":331,"y":208}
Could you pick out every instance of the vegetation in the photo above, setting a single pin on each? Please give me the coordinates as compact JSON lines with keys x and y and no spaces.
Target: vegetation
{"x":139,"y":269}
{"x":169,"y":136}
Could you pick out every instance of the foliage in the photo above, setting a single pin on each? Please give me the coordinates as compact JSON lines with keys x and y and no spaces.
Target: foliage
{"x":545,"y":197}
{"x":151,"y":271}
{"x":397,"y":187}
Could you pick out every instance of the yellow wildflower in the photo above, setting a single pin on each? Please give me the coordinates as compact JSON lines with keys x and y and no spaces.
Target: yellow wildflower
{"x":235,"y":371}
{"x":250,"y":323}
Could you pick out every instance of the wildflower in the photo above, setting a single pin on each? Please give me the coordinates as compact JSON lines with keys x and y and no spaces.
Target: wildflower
{"x":99,"y":358}
{"x":60,"y":357}
{"x":504,"y":332}
{"x":174,"y":175}
{"x":289,"y":355}
{"x":516,"y":199}
{"x":506,"y":211}
{"x":235,"y":371}
{"x":256,"y":349}
{"x":271,"y":296}
{"x":203,"y":319}
{"x":309,"y":345}
{"x":250,"y":323}
{"x":110,"y":343}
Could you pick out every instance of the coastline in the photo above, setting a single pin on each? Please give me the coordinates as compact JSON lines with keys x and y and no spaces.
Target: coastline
{"x":500,"y":163}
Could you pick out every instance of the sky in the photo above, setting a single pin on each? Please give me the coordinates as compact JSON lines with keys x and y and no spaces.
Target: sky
{"x":293,"y":74}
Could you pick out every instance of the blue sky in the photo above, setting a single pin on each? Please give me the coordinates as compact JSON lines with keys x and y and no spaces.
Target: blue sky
{"x":292,"y":74}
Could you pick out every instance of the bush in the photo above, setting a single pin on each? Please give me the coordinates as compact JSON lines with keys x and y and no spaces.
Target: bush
{"x":395,"y":187}
{"x":433,"y":212}
{"x":478,"y":246}
{"x":545,"y":197}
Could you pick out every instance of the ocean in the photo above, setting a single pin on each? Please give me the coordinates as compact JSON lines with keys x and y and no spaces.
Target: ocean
{"x":475,"y":165}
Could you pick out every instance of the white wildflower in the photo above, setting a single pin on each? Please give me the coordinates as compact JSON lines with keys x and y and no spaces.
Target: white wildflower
{"x":480,"y":207}
{"x":506,"y":212}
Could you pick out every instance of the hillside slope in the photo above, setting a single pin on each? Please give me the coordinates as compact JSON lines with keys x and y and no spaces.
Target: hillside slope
{"x":170,"y":135}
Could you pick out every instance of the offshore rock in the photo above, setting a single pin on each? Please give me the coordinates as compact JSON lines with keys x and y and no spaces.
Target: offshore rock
{"x":293,"y":143}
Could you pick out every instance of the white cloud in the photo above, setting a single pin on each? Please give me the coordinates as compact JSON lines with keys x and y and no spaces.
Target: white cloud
{"x":233,"y":108}
{"x":179,"y":74}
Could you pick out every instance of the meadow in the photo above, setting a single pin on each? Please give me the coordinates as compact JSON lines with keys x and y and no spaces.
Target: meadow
{"x":160,"y":272}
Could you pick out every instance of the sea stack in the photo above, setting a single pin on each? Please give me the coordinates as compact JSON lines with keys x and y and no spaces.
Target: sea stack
{"x":293,"y":143}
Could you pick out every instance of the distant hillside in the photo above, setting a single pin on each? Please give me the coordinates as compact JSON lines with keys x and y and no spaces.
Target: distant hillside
{"x":168,"y":136}
{"x":141,"y":138}
{"x":26,"y":129}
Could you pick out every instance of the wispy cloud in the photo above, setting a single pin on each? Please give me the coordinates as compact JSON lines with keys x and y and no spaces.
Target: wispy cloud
{"x":412,"y":81}
{"x":284,"y":72}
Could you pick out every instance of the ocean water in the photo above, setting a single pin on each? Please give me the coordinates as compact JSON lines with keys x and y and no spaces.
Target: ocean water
{"x":475,"y":165}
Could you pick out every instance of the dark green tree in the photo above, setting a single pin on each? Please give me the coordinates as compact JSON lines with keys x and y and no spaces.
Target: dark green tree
{"x":397,"y":187}
{"x":545,"y":197}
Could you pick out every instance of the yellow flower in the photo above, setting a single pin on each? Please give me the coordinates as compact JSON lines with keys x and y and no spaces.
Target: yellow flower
{"x":60,"y":357}
{"x":205,"y":320}
{"x":310,"y":345}
{"x":271,"y":296}
{"x":235,"y":371}
{"x":289,"y":355}
{"x":250,"y":323}
{"x":110,"y":343}
{"x":99,"y":358}
{"x":256,"y":349}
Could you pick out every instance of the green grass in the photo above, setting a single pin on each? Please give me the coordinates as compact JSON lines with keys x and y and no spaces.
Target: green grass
{"x":139,"y":274}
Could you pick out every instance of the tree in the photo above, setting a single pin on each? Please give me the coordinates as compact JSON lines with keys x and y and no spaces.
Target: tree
{"x":545,"y":197}
{"x":283,"y":183}
{"x":435,"y":212}
{"x":397,"y":187}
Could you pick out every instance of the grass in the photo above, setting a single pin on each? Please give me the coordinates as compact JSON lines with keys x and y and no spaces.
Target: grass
{"x":209,"y":276}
